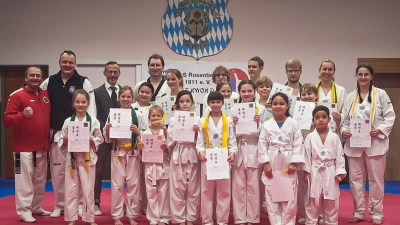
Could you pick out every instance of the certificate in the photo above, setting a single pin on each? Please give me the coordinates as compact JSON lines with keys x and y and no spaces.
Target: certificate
{"x":360,"y":129}
{"x":302,"y":113}
{"x":228,"y":104}
{"x":166,"y":104}
{"x":331,"y":106}
{"x":121,"y":120}
{"x":292,"y":102}
{"x":145,"y":112}
{"x":78,"y":136}
{"x":245,"y":112}
{"x":183,"y":126}
{"x":281,"y":187}
{"x":152,"y":152}
{"x":217,"y":164}
{"x":276,"y":87}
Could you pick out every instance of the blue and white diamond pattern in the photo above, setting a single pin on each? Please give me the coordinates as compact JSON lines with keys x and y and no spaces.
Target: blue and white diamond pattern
{"x":220,"y":29}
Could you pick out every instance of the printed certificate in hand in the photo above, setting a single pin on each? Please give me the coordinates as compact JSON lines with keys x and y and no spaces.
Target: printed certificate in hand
{"x":303,"y":114}
{"x":280,"y":88}
{"x":228,"y":104}
{"x":281,"y":187}
{"x":183,"y":126}
{"x":78,"y":136}
{"x":121,"y":120}
{"x":217,"y":163}
{"x":245,"y":112}
{"x":166,"y":104}
{"x":360,"y":129}
{"x":292,"y":102}
{"x":331,"y":106}
{"x":152,"y":152}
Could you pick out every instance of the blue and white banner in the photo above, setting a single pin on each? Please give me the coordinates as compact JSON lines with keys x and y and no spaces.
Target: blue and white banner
{"x":197,"y":28}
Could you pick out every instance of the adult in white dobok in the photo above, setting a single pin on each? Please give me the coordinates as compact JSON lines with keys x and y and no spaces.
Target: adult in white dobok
{"x":368,"y":102}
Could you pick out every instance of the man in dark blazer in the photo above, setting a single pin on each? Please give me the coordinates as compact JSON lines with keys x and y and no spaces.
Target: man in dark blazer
{"x":106,"y":97}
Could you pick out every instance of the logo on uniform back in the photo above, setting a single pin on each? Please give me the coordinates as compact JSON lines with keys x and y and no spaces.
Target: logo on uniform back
{"x":197,"y":28}
{"x":45,"y":99}
{"x":72,"y":89}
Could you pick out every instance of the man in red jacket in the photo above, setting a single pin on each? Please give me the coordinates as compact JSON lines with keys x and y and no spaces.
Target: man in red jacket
{"x":28,"y":113}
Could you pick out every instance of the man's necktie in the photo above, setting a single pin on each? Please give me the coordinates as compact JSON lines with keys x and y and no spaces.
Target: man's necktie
{"x":114,"y":97}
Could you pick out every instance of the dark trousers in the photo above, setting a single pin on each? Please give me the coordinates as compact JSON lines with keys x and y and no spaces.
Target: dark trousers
{"x":103,"y":155}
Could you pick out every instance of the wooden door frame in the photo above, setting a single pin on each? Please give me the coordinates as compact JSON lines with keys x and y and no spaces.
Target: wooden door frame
{"x":382,"y":65}
{"x":3,"y":98}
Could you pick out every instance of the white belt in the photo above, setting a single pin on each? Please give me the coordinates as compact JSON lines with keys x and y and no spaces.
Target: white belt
{"x":319,"y":179}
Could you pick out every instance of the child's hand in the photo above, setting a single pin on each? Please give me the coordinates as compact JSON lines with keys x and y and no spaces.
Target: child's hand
{"x":140,"y":146}
{"x":65,"y":140}
{"x":336,"y":117}
{"x":235,"y":120}
{"x":231,"y":157}
{"x":173,"y":107}
{"x":195,"y":128}
{"x":375,"y":132}
{"x":202,"y":157}
{"x":257,"y":118}
{"x":108,"y":126}
{"x":267,"y":170}
{"x":164,"y":147}
{"x":292,"y":168}
{"x":134,"y":129}
{"x":340,"y":177}
{"x":346,"y":135}
{"x":307,"y":177}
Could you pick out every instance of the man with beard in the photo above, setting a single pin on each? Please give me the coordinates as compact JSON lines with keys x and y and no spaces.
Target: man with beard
{"x":293,"y":71}
{"x":106,"y":98}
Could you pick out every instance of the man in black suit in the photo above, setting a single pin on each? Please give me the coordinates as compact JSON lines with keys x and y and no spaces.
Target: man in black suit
{"x":106,"y":97}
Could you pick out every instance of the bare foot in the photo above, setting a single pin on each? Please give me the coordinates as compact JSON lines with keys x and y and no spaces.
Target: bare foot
{"x":182,"y":224}
{"x":118,"y":222}
{"x":93,"y":223}
{"x":249,"y":224}
{"x":189,"y":223}
{"x":72,"y":223}
{"x":354,"y":220}
{"x":376,"y":221}
{"x":132,"y":222}
{"x":161,"y":223}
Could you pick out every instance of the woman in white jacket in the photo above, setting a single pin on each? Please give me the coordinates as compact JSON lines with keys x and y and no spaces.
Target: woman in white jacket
{"x":368,"y":102}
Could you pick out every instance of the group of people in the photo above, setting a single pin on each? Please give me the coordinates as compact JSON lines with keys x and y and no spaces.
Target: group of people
{"x":178,"y":190}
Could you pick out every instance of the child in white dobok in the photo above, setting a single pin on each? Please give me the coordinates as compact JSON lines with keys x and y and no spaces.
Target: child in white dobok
{"x":324,"y":169}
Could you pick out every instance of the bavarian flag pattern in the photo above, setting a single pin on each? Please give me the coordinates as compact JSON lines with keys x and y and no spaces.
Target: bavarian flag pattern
{"x":197,"y":28}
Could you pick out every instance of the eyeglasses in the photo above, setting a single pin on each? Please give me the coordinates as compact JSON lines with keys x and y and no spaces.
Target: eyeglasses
{"x":292,"y":71}
{"x":116,"y":72}
{"x":220,"y":75}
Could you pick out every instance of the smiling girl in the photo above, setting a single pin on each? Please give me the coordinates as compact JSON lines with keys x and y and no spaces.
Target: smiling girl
{"x":280,"y":149}
{"x":80,"y":169}
{"x":125,"y":163}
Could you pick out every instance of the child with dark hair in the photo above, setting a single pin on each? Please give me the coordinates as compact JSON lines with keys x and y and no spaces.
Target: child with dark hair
{"x":324,"y":169}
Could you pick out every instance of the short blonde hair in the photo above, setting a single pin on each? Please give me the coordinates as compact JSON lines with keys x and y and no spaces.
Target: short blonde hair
{"x":308,"y":87}
{"x":264,"y":81}
{"x":293,"y":63}
{"x":156,"y":108}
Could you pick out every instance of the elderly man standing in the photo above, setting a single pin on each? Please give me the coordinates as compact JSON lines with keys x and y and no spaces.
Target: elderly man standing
{"x":61,"y":87}
{"x":28,"y":113}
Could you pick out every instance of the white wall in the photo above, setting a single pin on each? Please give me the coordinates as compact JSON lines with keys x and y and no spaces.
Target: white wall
{"x":36,"y":32}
